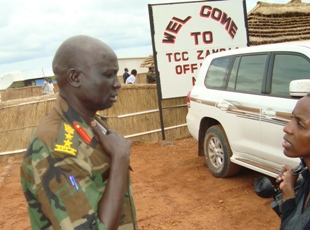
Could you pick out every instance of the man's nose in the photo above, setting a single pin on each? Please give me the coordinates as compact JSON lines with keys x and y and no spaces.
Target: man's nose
{"x":288,"y":127}
{"x":117,"y":83}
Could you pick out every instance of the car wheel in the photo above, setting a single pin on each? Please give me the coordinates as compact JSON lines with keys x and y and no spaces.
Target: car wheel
{"x":217,"y":153}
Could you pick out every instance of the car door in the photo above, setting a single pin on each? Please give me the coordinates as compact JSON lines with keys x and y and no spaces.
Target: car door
{"x":243,"y":102}
{"x":277,"y":105}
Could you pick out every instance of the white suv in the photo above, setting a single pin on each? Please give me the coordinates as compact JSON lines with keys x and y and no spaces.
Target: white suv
{"x":240,"y":103}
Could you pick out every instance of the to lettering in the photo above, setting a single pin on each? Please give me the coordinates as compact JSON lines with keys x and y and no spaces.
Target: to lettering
{"x":207,"y":37}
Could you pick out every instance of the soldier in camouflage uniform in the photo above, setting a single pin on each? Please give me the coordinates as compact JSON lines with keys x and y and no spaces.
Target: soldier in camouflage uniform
{"x":75,"y":173}
{"x":151,"y":76}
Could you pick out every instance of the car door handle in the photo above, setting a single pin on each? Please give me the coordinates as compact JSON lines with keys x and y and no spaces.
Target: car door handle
{"x":222,"y":106}
{"x":269,"y":113}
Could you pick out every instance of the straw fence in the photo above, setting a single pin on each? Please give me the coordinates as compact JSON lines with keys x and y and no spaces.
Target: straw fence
{"x":24,"y":92}
{"x":135,"y":115}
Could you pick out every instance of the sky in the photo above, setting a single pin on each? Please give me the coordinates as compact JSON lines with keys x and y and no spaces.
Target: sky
{"x":32,"y":30}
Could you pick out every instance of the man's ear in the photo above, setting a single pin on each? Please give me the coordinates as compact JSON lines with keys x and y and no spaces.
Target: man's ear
{"x":73,"y":77}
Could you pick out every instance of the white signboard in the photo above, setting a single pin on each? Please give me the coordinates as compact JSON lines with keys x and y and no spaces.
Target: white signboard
{"x":183,"y":34}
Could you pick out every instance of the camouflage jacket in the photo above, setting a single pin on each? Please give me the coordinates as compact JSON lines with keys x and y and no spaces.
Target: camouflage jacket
{"x":150,"y":78}
{"x":64,"y":174}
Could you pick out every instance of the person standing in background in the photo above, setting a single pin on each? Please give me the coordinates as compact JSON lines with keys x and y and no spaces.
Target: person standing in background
{"x":50,"y":87}
{"x":45,"y":88}
{"x":150,"y":76}
{"x":125,"y":75}
{"x":132,"y":78}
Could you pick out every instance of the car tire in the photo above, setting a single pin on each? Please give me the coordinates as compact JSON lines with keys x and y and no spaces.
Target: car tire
{"x":217,"y":153}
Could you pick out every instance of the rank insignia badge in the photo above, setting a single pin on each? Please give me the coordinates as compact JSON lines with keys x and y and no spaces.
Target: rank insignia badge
{"x":67,"y":140}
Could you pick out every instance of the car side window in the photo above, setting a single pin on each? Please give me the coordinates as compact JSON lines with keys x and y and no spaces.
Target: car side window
{"x":251,"y":72}
{"x":233,"y":75}
{"x":217,"y":73}
{"x":288,"y":67}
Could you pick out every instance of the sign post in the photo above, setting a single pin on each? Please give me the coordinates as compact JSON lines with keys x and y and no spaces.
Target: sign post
{"x":185,"y":33}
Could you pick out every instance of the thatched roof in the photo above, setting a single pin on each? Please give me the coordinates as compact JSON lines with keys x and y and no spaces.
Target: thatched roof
{"x":148,"y":62}
{"x":274,"y":23}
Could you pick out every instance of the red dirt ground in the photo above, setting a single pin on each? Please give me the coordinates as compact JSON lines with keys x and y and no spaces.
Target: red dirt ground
{"x":173,"y":189}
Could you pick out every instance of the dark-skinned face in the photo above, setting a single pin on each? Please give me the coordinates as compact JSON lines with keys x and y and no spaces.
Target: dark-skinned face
{"x":99,"y":83}
{"x":297,"y":131}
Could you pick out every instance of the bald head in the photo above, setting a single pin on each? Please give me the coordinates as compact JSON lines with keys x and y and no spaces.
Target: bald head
{"x":77,"y":53}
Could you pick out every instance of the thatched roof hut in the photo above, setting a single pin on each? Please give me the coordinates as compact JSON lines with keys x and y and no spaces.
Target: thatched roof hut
{"x":274,"y":23}
{"x":148,"y":62}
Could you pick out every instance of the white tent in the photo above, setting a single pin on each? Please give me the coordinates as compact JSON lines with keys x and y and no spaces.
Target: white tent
{"x":6,"y":79}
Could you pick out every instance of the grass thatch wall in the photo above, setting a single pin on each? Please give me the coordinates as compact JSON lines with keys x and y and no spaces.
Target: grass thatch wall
{"x":32,"y":91}
{"x":23,"y":92}
{"x":19,"y":117}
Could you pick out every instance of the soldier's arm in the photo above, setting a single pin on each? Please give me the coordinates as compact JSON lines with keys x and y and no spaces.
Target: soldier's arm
{"x":111,"y":204}
{"x":59,"y":192}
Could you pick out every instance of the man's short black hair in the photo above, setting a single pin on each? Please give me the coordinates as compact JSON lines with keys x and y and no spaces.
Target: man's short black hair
{"x":134,"y":72}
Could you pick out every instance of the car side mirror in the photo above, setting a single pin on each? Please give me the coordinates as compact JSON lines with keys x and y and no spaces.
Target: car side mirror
{"x":299,"y":88}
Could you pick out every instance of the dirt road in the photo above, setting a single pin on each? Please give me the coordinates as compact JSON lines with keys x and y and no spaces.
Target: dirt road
{"x":173,"y":189}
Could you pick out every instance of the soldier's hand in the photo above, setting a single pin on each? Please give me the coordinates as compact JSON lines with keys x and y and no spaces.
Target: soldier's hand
{"x":114,"y":144}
